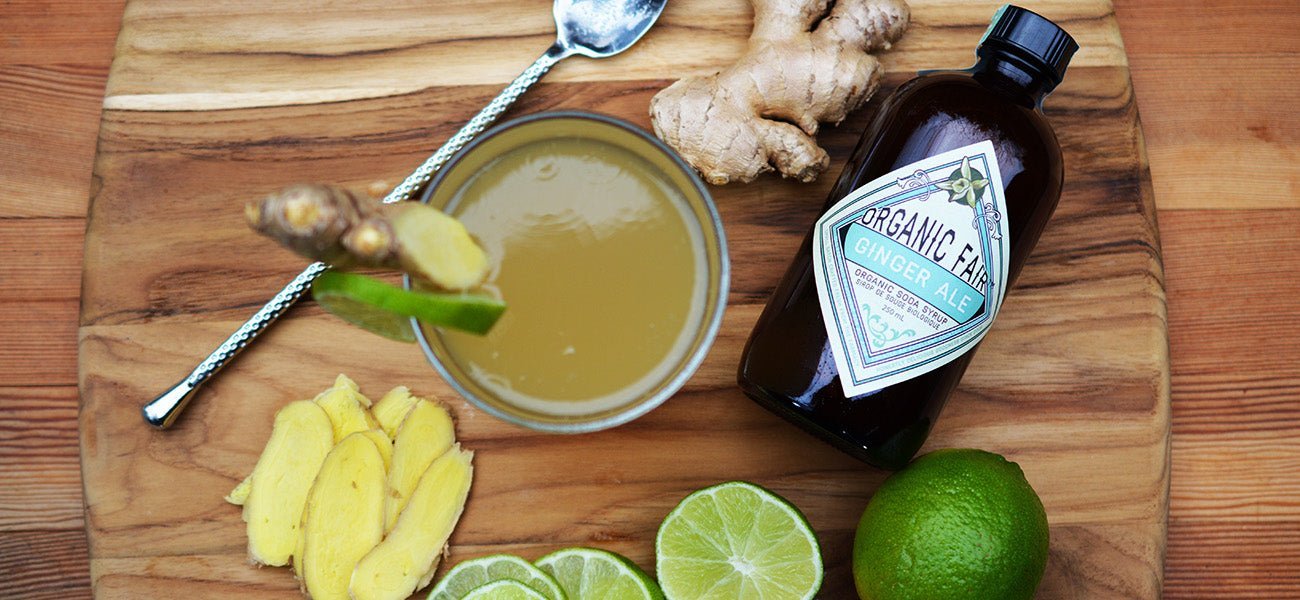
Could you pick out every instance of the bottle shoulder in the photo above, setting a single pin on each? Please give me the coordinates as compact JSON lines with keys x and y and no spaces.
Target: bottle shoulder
{"x":942,"y":111}
{"x":959,"y":92}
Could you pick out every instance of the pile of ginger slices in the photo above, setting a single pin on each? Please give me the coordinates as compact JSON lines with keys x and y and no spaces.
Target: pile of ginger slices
{"x":361,"y":498}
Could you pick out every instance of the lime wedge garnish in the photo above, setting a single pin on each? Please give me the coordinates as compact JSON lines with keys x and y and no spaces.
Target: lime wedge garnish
{"x":504,"y":589}
{"x":737,"y":540}
{"x":385,"y":309}
{"x":476,"y":573}
{"x":589,"y":574}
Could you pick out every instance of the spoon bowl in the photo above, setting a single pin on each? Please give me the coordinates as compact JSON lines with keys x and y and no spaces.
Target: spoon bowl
{"x":602,"y":28}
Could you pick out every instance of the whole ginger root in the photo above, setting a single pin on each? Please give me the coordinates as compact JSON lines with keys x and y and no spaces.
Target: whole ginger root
{"x":344,"y":229}
{"x":807,"y":63}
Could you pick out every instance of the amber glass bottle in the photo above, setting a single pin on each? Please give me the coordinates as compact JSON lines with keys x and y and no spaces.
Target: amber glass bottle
{"x":876,"y":319}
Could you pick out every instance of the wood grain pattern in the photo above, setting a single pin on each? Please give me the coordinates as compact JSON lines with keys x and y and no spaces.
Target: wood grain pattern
{"x":54,"y":142}
{"x":42,"y":565}
{"x":1212,"y":72}
{"x":1236,"y":456}
{"x":170,"y":269}
{"x":47,"y":32}
{"x":1223,"y":552}
{"x":1233,"y":559}
{"x":54,"y":58}
{"x":1233,"y":336}
{"x":38,"y":455}
{"x":40,"y":290}
{"x":180,"y":58}
{"x":1248,"y":135}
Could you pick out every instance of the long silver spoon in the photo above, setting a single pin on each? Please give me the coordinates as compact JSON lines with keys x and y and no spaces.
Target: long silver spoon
{"x":592,"y":28}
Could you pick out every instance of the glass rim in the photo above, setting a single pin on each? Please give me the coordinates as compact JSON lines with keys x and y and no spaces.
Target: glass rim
{"x":711,"y":321}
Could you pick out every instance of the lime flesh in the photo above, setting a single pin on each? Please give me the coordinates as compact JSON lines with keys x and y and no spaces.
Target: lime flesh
{"x":387,"y":309}
{"x":737,"y":540}
{"x":504,"y":589}
{"x":590,"y":574}
{"x":472,"y":574}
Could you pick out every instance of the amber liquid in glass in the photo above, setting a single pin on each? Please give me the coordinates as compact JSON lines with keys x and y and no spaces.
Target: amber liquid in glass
{"x":787,"y":365}
{"x":594,"y":251}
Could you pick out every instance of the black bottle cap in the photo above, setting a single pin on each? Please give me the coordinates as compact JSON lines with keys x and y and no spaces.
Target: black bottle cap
{"x":1036,"y":42}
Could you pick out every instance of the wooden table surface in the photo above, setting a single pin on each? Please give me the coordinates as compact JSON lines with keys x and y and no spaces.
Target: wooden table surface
{"x":1218,"y":99}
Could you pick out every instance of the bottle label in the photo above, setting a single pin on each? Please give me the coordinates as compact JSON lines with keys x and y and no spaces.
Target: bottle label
{"x":911,"y":268}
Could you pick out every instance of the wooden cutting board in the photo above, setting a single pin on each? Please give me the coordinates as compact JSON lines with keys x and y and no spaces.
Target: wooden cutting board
{"x":212,"y":104}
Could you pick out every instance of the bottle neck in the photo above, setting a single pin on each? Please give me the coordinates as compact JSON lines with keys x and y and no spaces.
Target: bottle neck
{"x":1011,"y":77}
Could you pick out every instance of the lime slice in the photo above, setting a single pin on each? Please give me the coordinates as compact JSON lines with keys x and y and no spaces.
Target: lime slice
{"x":473,"y":574}
{"x":375,"y":320}
{"x":504,"y":589}
{"x":384,"y":309}
{"x":737,"y":540}
{"x":589,"y":574}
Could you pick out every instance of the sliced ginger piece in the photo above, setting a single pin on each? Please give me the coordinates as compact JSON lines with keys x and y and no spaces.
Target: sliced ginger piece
{"x":384,"y":444}
{"x":385,"y":447}
{"x":437,"y":247}
{"x":344,"y":517}
{"x":341,"y":403}
{"x":300,"y":439}
{"x":425,"y":434}
{"x":239,"y":495}
{"x":346,"y":407}
{"x":406,"y":560}
{"x":344,"y":229}
{"x":393,"y":408}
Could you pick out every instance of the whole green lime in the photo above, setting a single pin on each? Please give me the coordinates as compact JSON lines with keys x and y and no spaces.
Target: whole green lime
{"x":954,"y":524}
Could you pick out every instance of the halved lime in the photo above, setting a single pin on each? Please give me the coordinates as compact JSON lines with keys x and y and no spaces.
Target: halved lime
{"x":504,"y":589}
{"x":737,"y":540}
{"x":385,"y":309}
{"x":476,"y":573}
{"x":590,"y":574}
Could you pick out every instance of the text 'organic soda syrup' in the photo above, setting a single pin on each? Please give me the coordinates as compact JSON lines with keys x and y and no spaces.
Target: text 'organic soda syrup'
{"x":879,"y":314}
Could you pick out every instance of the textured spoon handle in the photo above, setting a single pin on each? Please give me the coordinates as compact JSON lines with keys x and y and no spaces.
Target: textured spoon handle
{"x":162,"y":411}
{"x":476,"y":125}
